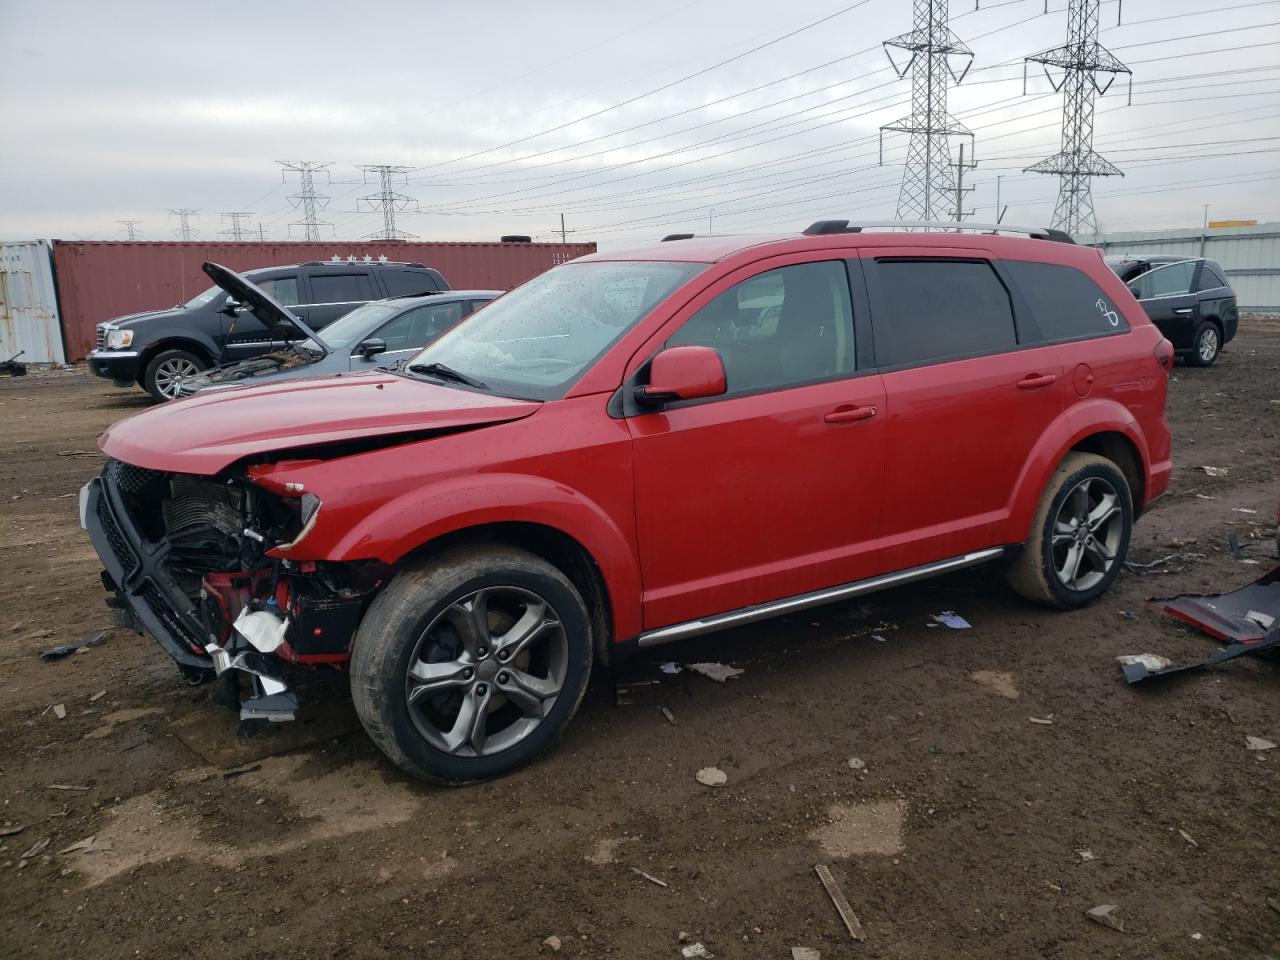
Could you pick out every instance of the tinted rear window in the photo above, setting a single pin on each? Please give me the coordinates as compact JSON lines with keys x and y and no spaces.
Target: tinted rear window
{"x":941,"y":310}
{"x":406,"y":283}
{"x":1065,"y":303}
{"x":341,"y":288}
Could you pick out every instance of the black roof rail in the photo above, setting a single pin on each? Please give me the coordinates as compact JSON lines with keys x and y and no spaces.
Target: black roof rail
{"x":677,"y":236}
{"x":821,"y":227}
{"x":1050,"y":233}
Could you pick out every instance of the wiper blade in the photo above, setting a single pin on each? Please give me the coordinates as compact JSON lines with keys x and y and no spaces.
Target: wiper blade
{"x":443,"y":372}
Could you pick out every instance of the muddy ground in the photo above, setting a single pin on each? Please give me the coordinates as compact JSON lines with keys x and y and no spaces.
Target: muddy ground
{"x":965,"y":835}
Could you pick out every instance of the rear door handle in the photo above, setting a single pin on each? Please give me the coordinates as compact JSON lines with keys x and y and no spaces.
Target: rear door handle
{"x":1033,"y":381}
{"x":850,"y":414}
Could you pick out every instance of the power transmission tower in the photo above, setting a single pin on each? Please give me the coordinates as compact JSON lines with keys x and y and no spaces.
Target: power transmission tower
{"x":1081,"y":60}
{"x":306,"y":199}
{"x":387,"y":200}
{"x":564,"y":234}
{"x":927,"y":184}
{"x":239,"y":229}
{"x":185,"y":229}
{"x":130,"y":226}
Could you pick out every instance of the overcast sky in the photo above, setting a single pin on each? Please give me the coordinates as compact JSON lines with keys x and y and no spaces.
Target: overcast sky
{"x":511,"y":113}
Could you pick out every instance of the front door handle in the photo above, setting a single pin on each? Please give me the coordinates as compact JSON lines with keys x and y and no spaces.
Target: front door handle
{"x":850,"y":414}
{"x":1034,"y":381}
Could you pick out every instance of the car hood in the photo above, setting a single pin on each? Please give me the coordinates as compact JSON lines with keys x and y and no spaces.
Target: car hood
{"x":287,"y":362}
{"x":130,"y":319}
{"x":274,"y":315}
{"x":208,"y":432}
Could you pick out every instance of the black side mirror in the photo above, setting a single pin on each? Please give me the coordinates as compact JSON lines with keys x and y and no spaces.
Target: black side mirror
{"x":1136,"y":291}
{"x":232,"y":307}
{"x":371,"y":347}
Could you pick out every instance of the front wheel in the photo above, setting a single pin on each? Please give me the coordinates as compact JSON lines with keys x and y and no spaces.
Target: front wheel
{"x":168,"y":370}
{"x":1205,"y":344}
{"x":469,"y":665}
{"x":1080,"y":534}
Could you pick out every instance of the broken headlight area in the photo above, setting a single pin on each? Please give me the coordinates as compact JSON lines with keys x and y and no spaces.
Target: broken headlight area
{"x":190,"y":558}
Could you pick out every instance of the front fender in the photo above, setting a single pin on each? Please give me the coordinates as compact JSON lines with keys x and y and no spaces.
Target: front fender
{"x":166,"y":338}
{"x":1083,"y":419}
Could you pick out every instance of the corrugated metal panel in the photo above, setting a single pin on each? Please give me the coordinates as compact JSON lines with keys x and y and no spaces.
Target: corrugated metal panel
{"x":101,"y":280}
{"x":1249,"y":254}
{"x":29,"y":303}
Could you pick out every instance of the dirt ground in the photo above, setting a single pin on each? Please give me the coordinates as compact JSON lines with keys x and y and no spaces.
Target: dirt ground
{"x":972,"y":832}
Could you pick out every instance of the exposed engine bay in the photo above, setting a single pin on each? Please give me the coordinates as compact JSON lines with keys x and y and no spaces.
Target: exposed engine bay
{"x":296,"y":354}
{"x":191,"y":562}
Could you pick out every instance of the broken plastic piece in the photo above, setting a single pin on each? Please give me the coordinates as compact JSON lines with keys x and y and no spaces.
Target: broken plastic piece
{"x":1225,"y":615}
{"x":953,"y":620}
{"x":715,"y":671}
{"x":64,"y":649}
{"x":1136,"y":672}
{"x":263,"y":629}
{"x":851,"y":921}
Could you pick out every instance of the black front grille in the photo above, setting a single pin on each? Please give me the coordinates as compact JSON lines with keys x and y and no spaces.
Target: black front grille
{"x":102,"y":336}
{"x":115,"y":536}
{"x":130,"y":479}
{"x":168,"y":616}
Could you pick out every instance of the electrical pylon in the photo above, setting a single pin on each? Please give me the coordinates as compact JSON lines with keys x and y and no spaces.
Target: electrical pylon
{"x":306,"y":199}
{"x":1081,"y":60}
{"x":928,"y":188}
{"x":185,"y":230}
{"x":387,"y":200}
{"x":239,"y":229}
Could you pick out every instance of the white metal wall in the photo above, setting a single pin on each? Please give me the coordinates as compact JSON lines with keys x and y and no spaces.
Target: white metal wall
{"x":1250,"y":255}
{"x":28,"y":304}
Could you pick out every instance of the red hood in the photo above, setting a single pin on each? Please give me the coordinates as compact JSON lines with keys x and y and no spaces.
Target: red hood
{"x":206,"y":433}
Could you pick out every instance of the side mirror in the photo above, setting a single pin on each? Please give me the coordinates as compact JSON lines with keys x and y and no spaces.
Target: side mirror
{"x":232,"y":307}
{"x":1137,"y":292}
{"x":682,"y":373}
{"x":371,"y":347}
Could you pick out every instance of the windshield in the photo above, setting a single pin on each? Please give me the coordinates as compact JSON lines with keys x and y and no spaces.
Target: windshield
{"x":209,"y":295}
{"x":536,"y":340}
{"x":359,"y":322}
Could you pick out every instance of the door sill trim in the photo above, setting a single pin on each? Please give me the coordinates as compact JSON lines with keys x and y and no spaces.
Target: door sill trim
{"x":803,"y":601}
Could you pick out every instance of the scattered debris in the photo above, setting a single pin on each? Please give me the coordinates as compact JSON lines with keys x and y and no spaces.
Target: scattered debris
{"x":718,"y":672}
{"x":1258,"y":743}
{"x":1128,"y":615}
{"x":1264,"y":620}
{"x":1187,"y":837}
{"x":878,"y":639}
{"x":650,"y":877}
{"x":805,"y":953}
{"x":66,"y":786}
{"x":711,"y":777}
{"x":670,"y":667}
{"x":1242,"y":510}
{"x":1085,"y":855}
{"x":552,"y":943}
{"x":1105,"y":915}
{"x":36,"y":848}
{"x":87,"y":845}
{"x":1197,"y":936}
{"x":1148,"y":661}
{"x":63,"y":649}
{"x":668,"y":716}
{"x":1136,"y":672}
{"x":1233,"y":544}
{"x":1217,"y":471}
{"x":97,"y":696}
{"x":857,"y":763}
{"x":60,"y":711}
{"x":232,"y":774}
{"x":697,"y":950}
{"x":1043,"y":721}
{"x":1204,"y":496}
{"x":851,"y":921}
{"x":1142,"y":569}
{"x":949,"y":618}
{"x":1225,"y":615}
{"x":12,"y":368}
{"x":10,"y":831}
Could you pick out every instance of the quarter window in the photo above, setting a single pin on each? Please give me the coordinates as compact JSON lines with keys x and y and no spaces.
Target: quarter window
{"x":408,"y":283}
{"x":1065,"y":302}
{"x":941,"y":310}
{"x":341,"y":288}
{"x":785,"y":327}
{"x":1165,"y":280}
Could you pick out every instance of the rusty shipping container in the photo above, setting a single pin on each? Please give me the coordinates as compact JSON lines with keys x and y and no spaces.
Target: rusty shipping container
{"x":28,"y":303}
{"x":100,"y":280}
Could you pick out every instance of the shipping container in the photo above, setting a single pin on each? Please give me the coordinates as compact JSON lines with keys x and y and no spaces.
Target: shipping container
{"x":101,"y":280}
{"x":29,"y":303}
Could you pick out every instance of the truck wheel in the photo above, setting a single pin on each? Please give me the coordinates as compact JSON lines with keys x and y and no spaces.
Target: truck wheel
{"x":1079,"y":537}
{"x":1205,"y":344}
{"x":167,"y":371}
{"x":470,"y":664}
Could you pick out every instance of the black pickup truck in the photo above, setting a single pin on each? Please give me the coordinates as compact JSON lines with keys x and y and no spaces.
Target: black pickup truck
{"x":159,"y":350}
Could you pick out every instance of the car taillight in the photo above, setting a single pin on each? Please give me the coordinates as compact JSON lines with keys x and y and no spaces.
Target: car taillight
{"x":1164,"y":355}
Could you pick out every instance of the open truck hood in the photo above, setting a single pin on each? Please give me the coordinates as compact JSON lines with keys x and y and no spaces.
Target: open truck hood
{"x":208,"y":432}
{"x":274,"y":315}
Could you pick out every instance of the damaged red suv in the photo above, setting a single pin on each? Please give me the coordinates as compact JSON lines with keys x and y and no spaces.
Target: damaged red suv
{"x":633,"y":448}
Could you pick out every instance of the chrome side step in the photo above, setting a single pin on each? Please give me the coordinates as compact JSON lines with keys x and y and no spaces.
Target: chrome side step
{"x":804,"y":601}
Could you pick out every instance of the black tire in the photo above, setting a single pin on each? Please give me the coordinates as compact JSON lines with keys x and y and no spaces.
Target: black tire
{"x":415,"y":602}
{"x":1035,"y":574}
{"x":156,"y":378}
{"x":1205,"y":345}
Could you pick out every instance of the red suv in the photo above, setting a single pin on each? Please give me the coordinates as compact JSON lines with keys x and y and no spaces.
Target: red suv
{"x":633,"y":448}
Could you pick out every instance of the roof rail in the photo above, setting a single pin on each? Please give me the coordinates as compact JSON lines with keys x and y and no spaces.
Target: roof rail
{"x":677,"y":236}
{"x":516,"y":238}
{"x":822,"y":227}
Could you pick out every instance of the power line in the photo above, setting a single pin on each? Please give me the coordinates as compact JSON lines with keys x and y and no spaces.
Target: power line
{"x":306,"y":199}
{"x":388,"y":200}
{"x":185,"y":229}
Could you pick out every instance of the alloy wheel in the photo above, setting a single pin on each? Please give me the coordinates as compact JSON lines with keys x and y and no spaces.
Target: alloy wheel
{"x":1208,"y":345}
{"x":172,"y":374}
{"x":1087,"y":533}
{"x":486,"y":671}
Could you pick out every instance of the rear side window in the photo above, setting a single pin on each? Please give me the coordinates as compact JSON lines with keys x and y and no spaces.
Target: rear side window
{"x":341,"y":288}
{"x":941,"y":310}
{"x":283,"y":289}
{"x":1165,"y":280}
{"x":1065,"y":303}
{"x":407,"y":283}
{"x":1211,"y":277}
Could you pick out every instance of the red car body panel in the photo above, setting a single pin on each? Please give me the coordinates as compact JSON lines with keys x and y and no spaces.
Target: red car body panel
{"x":712,"y":505}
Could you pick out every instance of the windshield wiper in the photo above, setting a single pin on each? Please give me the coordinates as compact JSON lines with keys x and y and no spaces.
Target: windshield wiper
{"x":443,"y":372}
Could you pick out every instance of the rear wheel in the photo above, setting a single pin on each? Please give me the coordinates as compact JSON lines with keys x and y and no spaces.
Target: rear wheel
{"x":471,"y":664}
{"x":1080,"y":534}
{"x":1205,"y":344}
{"x":168,"y":370}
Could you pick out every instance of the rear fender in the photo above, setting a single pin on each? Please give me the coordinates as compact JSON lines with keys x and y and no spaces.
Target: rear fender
{"x":1081,"y":421}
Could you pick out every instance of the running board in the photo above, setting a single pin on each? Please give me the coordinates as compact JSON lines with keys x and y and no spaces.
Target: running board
{"x":804,"y":601}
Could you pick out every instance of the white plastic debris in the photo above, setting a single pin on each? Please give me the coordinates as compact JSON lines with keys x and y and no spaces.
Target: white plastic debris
{"x":711,"y":777}
{"x":697,"y":950}
{"x":1264,"y":620}
{"x":1150,"y":661}
{"x":60,"y":711}
{"x":670,"y":667}
{"x":263,"y":629}
{"x":1086,"y":855}
{"x":1105,"y":914}
{"x":1217,"y":471}
{"x":878,"y":639}
{"x":949,"y":618}
{"x":1043,"y":721}
{"x":1257,"y":743}
{"x":718,"y":672}
{"x":1243,"y":510}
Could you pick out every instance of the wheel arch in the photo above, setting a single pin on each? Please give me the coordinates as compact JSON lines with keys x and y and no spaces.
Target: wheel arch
{"x":174,"y":342}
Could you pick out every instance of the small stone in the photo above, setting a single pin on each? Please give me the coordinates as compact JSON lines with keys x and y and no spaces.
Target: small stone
{"x":711,"y":777}
{"x":1254,"y":743}
{"x":805,"y":953}
{"x":1197,"y":936}
{"x":855,"y":763}
{"x":1086,"y":855}
{"x":1105,"y":914}
{"x":60,"y":711}
{"x":552,"y":943}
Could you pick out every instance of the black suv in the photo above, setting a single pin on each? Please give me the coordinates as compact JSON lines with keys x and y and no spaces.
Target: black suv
{"x":160,"y":349}
{"x":1187,"y":298}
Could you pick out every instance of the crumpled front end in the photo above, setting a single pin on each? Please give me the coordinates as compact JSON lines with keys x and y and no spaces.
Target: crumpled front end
{"x":185,"y":558}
